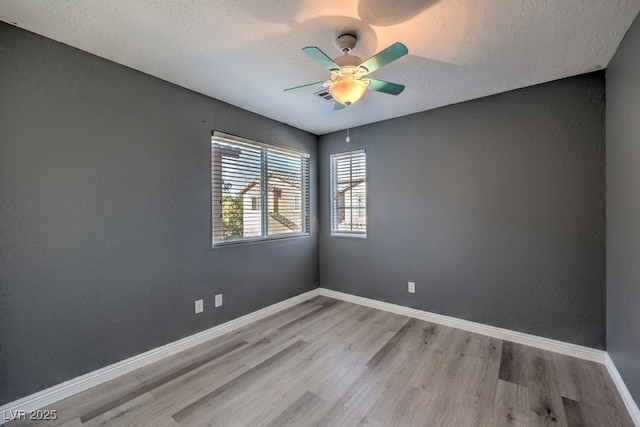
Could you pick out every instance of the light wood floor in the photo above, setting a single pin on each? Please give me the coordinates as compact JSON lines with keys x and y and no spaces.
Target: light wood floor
{"x":331,"y":363}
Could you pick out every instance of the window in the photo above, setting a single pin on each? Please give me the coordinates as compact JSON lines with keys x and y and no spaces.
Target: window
{"x":259,"y":191}
{"x":349,"y":194}
{"x":362,"y":206}
{"x":255,"y":203}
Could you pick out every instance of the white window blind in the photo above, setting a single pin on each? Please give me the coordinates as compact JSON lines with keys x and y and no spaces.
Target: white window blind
{"x":349,"y":194}
{"x":254,"y":190}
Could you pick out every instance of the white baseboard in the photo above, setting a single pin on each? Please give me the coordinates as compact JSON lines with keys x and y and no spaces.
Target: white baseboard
{"x":561,"y":347}
{"x":76,"y":385}
{"x":631,"y":405}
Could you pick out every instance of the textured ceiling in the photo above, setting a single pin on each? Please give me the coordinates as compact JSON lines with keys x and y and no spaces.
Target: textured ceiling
{"x":245,"y":52}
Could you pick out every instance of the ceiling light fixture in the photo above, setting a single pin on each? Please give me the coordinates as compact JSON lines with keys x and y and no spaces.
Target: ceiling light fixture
{"x":347,"y":88}
{"x":346,"y":85}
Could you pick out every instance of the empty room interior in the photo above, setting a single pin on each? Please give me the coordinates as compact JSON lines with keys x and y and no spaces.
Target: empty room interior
{"x":340,"y":213}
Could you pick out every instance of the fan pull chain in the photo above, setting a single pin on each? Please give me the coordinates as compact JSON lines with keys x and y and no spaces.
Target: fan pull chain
{"x":348,"y":125}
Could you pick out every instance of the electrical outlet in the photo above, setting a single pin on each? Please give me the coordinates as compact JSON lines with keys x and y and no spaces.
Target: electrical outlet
{"x":199,"y":306}
{"x":412,"y":287}
{"x":218,"y":300}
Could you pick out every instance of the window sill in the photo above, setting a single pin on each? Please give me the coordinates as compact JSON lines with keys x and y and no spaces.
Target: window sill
{"x":222,"y":244}
{"x":348,"y":234}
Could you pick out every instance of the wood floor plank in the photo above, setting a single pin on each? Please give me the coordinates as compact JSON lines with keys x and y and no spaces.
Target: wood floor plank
{"x":567,"y":376}
{"x":335,"y":370}
{"x":344,"y":320}
{"x":482,"y":384}
{"x":316,"y":362}
{"x":197,"y":385}
{"x":70,"y":408}
{"x":396,"y":372}
{"x":573,"y":413}
{"x":585,"y":383}
{"x":367,"y":314}
{"x":221,"y":370}
{"x":544,"y":398}
{"x":429,"y":376}
{"x":513,"y":363}
{"x":314,"y":316}
{"x":511,"y":406}
{"x":349,"y":331}
{"x":326,"y":358}
{"x":347,"y":365}
{"x":136,"y":412}
{"x":165,"y":378}
{"x":602,"y":415}
{"x":243,"y":380}
{"x":424,"y":387}
{"x":305,"y":366}
{"x":605,"y":396}
{"x":374,"y":334}
{"x":390,"y":347}
{"x":301,"y":412}
{"x":351,"y":408}
{"x":450,"y":404}
{"x":277,"y":320}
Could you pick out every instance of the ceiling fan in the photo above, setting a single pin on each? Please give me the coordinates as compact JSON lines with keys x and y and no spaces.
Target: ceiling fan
{"x":349,"y":80}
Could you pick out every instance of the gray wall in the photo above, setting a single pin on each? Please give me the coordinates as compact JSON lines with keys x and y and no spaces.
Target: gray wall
{"x":494,"y":207}
{"x":623,"y":210}
{"x":105,"y":213}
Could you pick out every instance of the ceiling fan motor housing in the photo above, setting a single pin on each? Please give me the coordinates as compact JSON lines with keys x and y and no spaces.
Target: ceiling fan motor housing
{"x":348,"y":63}
{"x":346,"y":42}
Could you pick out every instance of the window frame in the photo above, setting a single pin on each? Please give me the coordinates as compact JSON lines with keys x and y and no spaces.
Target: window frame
{"x":333,"y":186}
{"x":265,"y":149}
{"x":256,"y":203}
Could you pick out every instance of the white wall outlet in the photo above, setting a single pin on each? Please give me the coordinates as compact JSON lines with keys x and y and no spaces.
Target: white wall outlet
{"x":199,"y":306}
{"x":411,"y":287}
{"x":218,"y":300}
